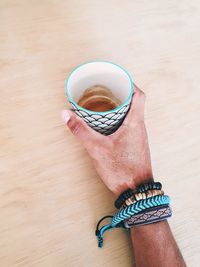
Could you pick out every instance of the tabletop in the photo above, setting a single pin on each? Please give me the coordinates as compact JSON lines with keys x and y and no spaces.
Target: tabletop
{"x":50,"y":194}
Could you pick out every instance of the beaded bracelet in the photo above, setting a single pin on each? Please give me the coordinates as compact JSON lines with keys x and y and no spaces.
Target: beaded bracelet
{"x":129,"y":211}
{"x":149,"y":186}
{"x":151,"y":215}
{"x":140,"y":189}
{"x":123,"y":197}
{"x":138,"y":196}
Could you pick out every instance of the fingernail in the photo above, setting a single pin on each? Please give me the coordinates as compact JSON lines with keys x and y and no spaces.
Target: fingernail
{"x":65,"y":116}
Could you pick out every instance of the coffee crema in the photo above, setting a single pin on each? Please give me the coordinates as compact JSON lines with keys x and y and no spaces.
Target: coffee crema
{"x":98,"y":98}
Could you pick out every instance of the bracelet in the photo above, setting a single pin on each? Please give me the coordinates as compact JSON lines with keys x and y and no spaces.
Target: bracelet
{"x":134,"y":198}
{"x":139,"y":206}
{"x":149,"y":186}
{"x":129,"y":211}
{"x":123,"y":197}
{"x":149,"y":216}
{"x":141,"y":189}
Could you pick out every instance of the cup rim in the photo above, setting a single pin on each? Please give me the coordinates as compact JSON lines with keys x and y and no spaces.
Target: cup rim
{"x":127,"y":101}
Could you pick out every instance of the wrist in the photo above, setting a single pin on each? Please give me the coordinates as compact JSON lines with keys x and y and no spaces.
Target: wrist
{"x":144,"y":177}
{"x":132,"y":182}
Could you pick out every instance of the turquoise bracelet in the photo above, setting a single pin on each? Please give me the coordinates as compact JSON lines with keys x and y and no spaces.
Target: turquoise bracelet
{"x":129,"y":211}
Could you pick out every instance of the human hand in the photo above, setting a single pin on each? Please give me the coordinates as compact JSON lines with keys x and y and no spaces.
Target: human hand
{"x":122,"y":159}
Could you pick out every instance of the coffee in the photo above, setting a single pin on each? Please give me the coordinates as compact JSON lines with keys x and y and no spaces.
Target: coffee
{"x":98,"y":98}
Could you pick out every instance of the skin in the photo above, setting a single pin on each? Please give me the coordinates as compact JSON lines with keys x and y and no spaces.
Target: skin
{"x":123,"y":161}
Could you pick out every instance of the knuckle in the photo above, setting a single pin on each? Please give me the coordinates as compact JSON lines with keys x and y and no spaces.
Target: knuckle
{"x":142,"y":94}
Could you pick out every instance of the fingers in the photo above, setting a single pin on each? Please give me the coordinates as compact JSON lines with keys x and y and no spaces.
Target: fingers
{"x":137,"y":106}
{"x":80,"y":129}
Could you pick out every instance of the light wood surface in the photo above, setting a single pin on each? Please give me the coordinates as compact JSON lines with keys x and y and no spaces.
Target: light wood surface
{"x":50,"y":194}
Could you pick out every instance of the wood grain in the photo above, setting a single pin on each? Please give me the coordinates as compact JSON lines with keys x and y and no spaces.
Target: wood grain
{"x":50,"y":194}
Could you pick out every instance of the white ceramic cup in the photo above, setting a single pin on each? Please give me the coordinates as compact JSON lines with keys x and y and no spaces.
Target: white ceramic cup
{"x":106,"y":74}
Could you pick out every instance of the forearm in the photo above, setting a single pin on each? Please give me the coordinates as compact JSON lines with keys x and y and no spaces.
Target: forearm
{"x":154,"y":246}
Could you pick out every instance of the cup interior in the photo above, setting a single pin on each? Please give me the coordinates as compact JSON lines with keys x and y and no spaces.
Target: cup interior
{"x":102,"y":73}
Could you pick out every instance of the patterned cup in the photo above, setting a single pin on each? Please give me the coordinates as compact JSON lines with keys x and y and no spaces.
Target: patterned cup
{"x":106,"y":74}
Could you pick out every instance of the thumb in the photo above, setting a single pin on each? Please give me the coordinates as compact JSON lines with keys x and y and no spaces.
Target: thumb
{"x":80,"y":129}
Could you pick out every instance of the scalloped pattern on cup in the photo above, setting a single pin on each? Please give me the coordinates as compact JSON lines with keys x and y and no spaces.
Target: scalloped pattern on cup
{"x":102,"y":123}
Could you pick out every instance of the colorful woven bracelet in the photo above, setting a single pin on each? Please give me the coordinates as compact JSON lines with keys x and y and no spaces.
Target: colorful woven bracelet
{"x":149,"y":216}
{"x":140,"y":189}
{"x":129,"y":211}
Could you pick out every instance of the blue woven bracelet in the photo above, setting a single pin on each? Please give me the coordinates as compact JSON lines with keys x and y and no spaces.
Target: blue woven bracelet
{"x":129,"y":211}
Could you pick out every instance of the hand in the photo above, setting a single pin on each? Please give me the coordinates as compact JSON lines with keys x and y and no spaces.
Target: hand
{"x":122,"y":159}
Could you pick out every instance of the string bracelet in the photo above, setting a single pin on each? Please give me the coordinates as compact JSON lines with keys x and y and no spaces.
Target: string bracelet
{"x":129,"y":211}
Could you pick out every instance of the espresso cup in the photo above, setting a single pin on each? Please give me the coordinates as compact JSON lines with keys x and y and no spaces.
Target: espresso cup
{"x":107,"y":74}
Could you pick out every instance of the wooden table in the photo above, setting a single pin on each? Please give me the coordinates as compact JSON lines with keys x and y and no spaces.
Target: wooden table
{"x":50,"y":194}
